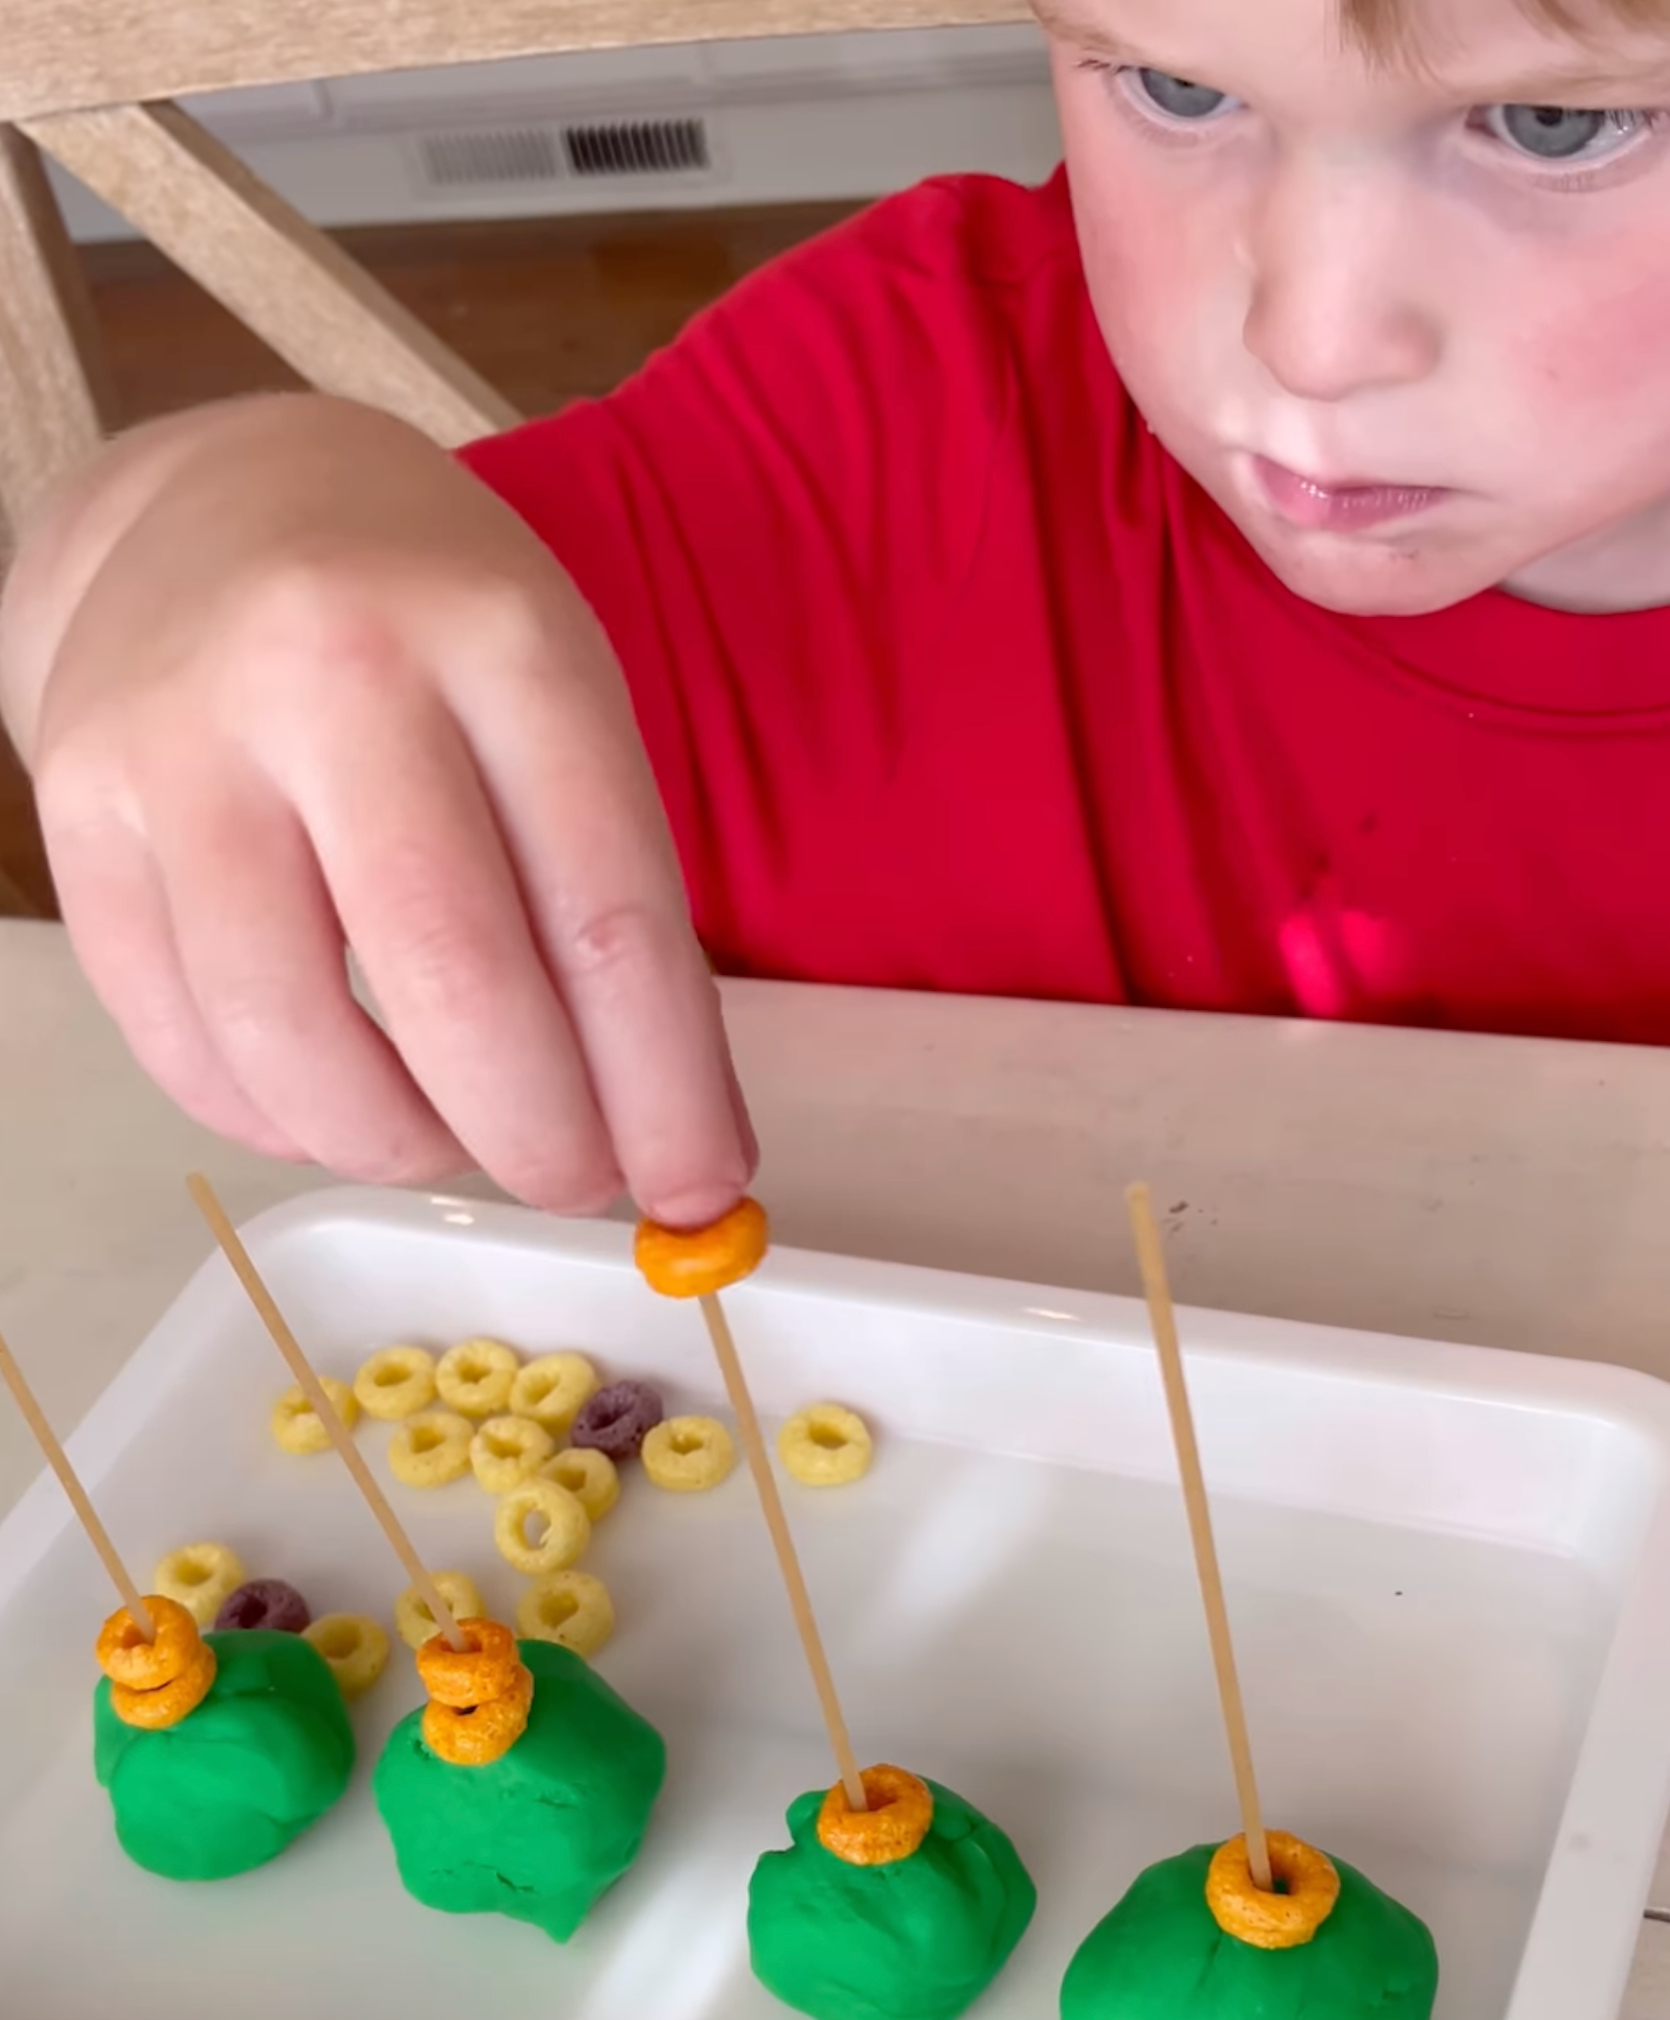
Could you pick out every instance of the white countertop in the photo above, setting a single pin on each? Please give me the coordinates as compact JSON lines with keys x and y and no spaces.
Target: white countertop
{"x":1500,"y":1192}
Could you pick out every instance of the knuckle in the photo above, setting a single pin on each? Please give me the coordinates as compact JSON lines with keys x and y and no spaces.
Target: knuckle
{"x":615,"y":939}
{"x":440,"y":963}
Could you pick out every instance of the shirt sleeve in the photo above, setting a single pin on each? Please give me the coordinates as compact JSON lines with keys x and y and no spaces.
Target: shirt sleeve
{"x":771,"y":521}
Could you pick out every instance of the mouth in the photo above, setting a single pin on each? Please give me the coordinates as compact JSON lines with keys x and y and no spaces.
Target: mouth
{"x":1343,"y":507}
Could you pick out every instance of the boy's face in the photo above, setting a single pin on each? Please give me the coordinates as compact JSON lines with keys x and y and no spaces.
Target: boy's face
{"x":1406,"y":321}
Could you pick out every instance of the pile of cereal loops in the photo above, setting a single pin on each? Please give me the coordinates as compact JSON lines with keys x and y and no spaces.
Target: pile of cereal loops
{"x":547,"y":1439}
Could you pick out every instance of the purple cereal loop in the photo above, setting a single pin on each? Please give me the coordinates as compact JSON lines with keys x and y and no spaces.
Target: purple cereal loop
{"x":618,"y":1419}
{"x":264,"y":1602}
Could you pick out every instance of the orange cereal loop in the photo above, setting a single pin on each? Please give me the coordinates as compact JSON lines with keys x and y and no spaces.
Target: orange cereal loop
{"x":1286,"y":1920}
{"x":692,"y":1262}
{"x":153,"y":1710}
{"x":901,"y":1810}
{"x":485,"y":1668}
{"x":127,"y":1658}
{"x":477,"y":1736}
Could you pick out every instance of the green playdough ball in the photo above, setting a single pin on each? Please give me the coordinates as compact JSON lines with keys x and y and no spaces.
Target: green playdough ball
{"x":1160,"y":1955}
{"x":261,"y":1758}
{"x":541,"y":1833}
{"x":920,"y":1939}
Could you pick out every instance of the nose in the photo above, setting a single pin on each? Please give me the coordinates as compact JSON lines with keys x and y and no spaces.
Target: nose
{"x":1340,"y":299}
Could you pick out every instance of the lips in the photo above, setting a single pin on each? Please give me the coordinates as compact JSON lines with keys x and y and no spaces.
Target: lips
{"x":1342,"y":507}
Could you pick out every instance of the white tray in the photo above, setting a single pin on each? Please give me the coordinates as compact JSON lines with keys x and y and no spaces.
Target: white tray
{"x":1449,"y":1571}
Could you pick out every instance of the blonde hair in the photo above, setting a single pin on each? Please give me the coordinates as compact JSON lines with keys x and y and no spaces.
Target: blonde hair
{"x":1385,"y":25}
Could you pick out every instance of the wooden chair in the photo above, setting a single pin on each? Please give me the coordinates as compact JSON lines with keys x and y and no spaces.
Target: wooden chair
{"x":92,"y":83}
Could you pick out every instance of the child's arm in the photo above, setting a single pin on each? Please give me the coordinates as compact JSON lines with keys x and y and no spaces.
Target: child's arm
{"x":287,"y":678}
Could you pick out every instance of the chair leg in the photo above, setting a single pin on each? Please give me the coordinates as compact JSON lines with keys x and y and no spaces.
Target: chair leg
{"x":53,"y":396}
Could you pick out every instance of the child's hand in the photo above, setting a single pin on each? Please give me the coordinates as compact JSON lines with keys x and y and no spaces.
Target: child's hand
{"x":289,"y":680}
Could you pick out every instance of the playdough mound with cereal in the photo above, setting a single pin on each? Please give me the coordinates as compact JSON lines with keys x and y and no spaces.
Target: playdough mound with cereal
{"x":1161,"y":1955}
{"x":264,"y":1755}
{"x":541,"y":1833}
{"x":916,"y":1938}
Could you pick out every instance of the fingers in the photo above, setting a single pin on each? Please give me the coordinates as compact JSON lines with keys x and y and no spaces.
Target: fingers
{"x":558,"y":753}
{"x":424,"y":890}
{"x":113,"y":905}
{"x":262,"y":954}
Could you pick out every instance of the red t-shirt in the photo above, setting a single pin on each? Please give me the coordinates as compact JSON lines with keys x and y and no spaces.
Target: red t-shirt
{"x":953,"y":680}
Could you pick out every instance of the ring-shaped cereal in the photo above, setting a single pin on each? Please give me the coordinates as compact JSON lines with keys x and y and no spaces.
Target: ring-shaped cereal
{"x":825,"y":1445}
{"x":508,"y":1450}
{"x":296,"y":1425}
{"x":553,"y":1390}
{"x":156,"y":1710}
{"x":592,"y":1477}
{"x":414,"y":1622}
{"x":201,"y":1578}
{"x":687,"y":1455}
{"x":431,"y":1449}
{"x":355,"y":1647}
{"x":396,"y":1383}
{"x":571,"y":1608}
{"x":693,"y":1262}
{"x":567,"y":1528}
{"x":127,"y":1658}
{"x":483,"y":1734}
{"x":901,"y":1808}
{"x":483,"y":1669}
{"x":1280,"y":1921}
{"x":474,"y":1377}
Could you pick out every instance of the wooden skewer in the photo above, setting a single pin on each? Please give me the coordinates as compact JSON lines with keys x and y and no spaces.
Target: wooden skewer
{"x":273,"y":1319}
{"x":58,"y":1459}
{"x":1162,"y":1317}
{"x":788,"y":1560}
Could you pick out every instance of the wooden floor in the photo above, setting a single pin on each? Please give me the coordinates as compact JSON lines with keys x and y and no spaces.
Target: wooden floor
{"x":548,"y":310}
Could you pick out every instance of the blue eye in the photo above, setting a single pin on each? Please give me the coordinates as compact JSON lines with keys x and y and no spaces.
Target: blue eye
{"x":1178,"y":97}
{"x":1562,"y":132}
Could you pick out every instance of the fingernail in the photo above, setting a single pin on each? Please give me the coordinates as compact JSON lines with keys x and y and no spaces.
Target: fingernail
{"x":700,"y":1206}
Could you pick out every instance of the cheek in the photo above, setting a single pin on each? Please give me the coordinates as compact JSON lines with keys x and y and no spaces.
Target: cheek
{"x":1599,"y":349}
{"x":1154,"y":252}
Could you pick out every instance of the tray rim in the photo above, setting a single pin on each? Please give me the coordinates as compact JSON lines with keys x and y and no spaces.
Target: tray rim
{"x":1618,"y":1771}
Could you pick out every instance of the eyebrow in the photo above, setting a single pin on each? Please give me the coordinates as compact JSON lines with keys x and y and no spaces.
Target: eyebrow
{"x":1068,"y":26}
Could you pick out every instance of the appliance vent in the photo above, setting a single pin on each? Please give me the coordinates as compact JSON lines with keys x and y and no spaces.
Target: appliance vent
{"x":491,"y":157}
{"x":638,"y":147}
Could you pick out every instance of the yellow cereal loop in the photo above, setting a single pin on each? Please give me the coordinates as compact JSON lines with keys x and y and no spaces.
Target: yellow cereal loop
{"x":592,"y":1477}
{"x":566,"y":1528}
{"x":396,"y":1383}
{"x":508,"y":1450}
{"x":201,"y":1578}
{"x":570,"y":1608}
{"x":901,"y":1808}
{"x":474,"y":1377}
{"x":355,"y":1647}
{"x":431,"y":1448}
{"x":295,"y":1426}
{"x":413,"y":1621}
{"x":687,"y":1455}
{"x":553,"y":1390}
{"x":1286,"y":1920}
{"x":825,"y":1445}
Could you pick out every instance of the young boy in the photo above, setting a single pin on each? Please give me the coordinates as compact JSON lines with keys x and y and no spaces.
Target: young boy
{"x":1232,"y":576}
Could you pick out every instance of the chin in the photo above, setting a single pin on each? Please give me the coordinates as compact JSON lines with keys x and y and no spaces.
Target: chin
{"x":1362,"y":578}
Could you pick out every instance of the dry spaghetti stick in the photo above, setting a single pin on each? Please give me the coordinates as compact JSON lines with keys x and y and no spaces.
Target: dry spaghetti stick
{"x":58,"y":1459}
{"x":788,"y":1561}
{"x":1163,"y":1319}
{"x":273,"y":1319}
